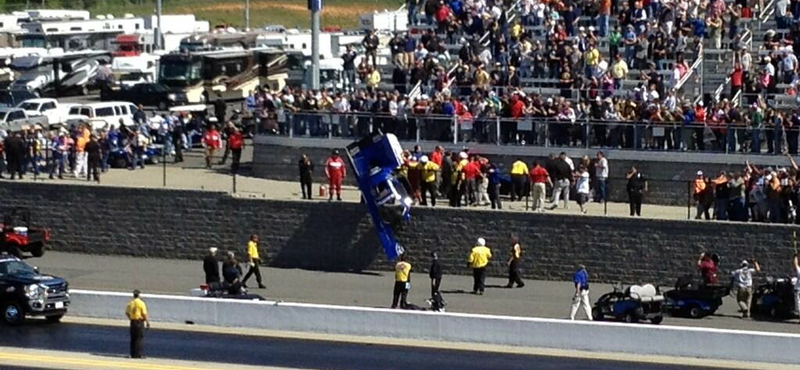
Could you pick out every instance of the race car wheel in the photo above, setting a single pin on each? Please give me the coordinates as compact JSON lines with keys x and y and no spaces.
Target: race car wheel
{"x":597,"y":314}
{"x":54,"y":319}
{"x":695,"y":312}
{"x":13,"y":314}
{"x":631,"y":318}
{"x":657,"y":320}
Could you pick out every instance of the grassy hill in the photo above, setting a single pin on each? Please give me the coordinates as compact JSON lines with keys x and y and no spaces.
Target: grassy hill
{"x":290,"y":13}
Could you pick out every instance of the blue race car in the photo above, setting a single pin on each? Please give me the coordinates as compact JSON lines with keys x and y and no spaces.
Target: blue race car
{"x":374,"y":160}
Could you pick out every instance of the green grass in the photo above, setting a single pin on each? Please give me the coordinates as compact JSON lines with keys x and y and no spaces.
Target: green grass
{"x":290,"y":13}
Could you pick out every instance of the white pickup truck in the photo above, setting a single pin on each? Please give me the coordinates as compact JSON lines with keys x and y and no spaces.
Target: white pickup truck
{"x":57,"y":114}
{"x":15,"y":119}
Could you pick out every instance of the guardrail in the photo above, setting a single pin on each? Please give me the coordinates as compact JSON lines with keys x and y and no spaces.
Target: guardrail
{"x":528,"y":131}
{"x":452,"y":327}
{"x":689,"y":73}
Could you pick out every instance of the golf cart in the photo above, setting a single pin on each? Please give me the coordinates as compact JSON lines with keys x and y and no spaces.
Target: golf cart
{"x":692,"y":300}
{"x":19,"y":236}
{"x":637,"y":303}
{"x":775,"y":299}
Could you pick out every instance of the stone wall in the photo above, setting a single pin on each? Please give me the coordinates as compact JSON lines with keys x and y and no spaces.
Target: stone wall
{"x":340,"y":237}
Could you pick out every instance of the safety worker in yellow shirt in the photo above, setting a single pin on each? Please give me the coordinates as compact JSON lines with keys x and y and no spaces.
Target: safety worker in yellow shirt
{"x":458,"y":180}
{"x":255,"y":261}
{"x":136,"y":311}
{"x":429,"y":171}
{"x":402,"y":282}
{"x":478,"y":259}
{"x":519,"y":174}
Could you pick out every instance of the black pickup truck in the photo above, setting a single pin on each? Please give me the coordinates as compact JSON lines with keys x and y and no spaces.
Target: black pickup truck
{"x":146,"y":94}
{"x":25,"y":292}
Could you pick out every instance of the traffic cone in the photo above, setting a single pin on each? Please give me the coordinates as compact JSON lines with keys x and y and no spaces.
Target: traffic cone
{"x":322,"y":191}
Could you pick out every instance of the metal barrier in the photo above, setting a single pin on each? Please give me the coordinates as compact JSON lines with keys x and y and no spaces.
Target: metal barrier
{"x":528,"y":131}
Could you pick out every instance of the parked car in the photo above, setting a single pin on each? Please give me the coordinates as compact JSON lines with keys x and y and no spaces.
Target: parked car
{"x":25,"y":292}
{"x":147,"y":94}
{"x":56,"y":113}
{"x":637,"y":303}
{"x":15,"y":119}
{"x":20,"y":236}
{"x":104,"y":115}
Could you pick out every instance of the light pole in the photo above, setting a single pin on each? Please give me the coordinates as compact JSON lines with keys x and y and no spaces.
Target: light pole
{"x":315,"y":6}
{"x":159,"y":46}
{"x":247,"y":15}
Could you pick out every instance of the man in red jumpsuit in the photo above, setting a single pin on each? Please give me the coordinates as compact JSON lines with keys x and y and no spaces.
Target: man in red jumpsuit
{"x":212,"y":141}
{"x":335,"y":172}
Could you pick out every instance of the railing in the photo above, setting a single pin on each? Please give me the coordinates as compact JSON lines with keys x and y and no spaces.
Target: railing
{"x":766,"y":13}
{"x":689,"y":73}
{"x":526,"y":131}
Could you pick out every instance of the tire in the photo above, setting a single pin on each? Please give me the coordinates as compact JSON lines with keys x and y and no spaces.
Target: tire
{"x":54,"y":319}
{"x":13,"y":250}
{"x":695,"y":312}
{"x":163,"y":105}
{"x":597,"y":314}
{"x":631,"y":318}
{"x":13,"y":314}
{"x":37,"y":250}
{"x":657,"y":320}
{"x":120,"y":163}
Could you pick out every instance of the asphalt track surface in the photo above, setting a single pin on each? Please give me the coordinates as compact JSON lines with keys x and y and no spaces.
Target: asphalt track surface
{"x":107,"y":341}
{"x":549,"y":299}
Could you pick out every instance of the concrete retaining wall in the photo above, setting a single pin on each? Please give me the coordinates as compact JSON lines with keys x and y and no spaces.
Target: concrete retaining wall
{"x":340,"y":236}
{"x":452,"y":327}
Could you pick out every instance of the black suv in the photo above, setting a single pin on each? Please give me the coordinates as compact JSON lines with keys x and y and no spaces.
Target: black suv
{"x":26,"y":292}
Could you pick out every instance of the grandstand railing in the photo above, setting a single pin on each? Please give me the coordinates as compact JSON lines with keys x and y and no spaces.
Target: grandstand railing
{"x":527,"y":131}
{"x":697,"y":63}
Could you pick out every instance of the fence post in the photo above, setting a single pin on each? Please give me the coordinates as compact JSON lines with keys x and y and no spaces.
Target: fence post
{"x":330,"y":125}
{"x":546,"y":132}
{"x":455,"y":129}
{"x":689,"y":200}
{"x":497,"y":133}
{"x":290,"y":122}
{"x":416,"y":124}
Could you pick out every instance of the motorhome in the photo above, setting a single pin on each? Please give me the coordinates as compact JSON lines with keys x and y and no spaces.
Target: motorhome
{"x":131,"y":45}
{"x":97,"y":34}
{"x":176,"y":27}
{"x":131,"y":70}
{"x":53,"y":15}
{"x":204,"y":75}
{"x":7,"y":55}
{"x":218,"y":41}
{"x":58,"y":73}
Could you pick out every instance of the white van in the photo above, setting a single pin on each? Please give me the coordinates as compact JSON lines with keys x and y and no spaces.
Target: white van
{"x":106,"y":114}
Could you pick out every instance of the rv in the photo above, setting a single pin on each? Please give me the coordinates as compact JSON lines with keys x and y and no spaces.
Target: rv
{"x":98,"y":34}
{"x":231,"y":74}
{"x":132,"y":45}
{"x":218,"y":41}
{"x":58,"y":74}
{"x":131,"y":70}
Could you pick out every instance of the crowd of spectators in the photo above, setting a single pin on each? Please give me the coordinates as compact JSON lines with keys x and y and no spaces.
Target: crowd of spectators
{"x":616,"y":82}
{"x":769,"y":194}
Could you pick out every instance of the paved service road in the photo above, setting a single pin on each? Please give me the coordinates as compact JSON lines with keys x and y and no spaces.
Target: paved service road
{"x":371,"y":289}
{"x":291,"y":353}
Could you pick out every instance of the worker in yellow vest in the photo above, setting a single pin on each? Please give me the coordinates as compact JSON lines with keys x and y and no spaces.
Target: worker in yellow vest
{"x":478,"y":259}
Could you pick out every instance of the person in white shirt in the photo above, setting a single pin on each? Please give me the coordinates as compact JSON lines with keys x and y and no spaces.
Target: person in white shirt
{"x":582,"y":186}
{"x":601,"y":169}
{"x":743,"y":283}
{"x":796,"y":266}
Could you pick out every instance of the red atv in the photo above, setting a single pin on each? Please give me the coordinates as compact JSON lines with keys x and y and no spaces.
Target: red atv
{"x":18,"y":235}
